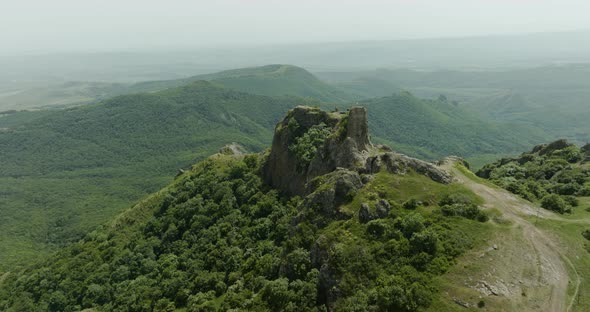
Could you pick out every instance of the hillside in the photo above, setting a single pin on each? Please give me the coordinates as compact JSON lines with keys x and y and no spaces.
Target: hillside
{"x":435,"y":128}
{"x":551,"y":99}
{"x":66,"y":171}
{"x":553,"y":174}
{"x":369,"y":228}
{"x":271,"y":80}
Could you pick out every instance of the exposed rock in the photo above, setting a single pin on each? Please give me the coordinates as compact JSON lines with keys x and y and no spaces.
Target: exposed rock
{"x":373,"y":164}
{"x":330,"y":175}
{"x":382,"y":208}
{"x":365,"y":214}
{"x":399,"y":164}
{"x":358,"y":128}
{"x":180,"y":172}
{"x":461,"y":303}
{"x":344,"y":148}
{"x":366,"y":178}
{"x":333,"y":190}
{"x":233,"y":149}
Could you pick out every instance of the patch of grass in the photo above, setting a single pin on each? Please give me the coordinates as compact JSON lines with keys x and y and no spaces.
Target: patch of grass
{"x":573,"y":244}
{"x":401,"y":188}
{"x":451,"y":284}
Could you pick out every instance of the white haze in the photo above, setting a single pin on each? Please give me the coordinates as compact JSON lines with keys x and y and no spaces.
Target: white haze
{"x":89,"y":25}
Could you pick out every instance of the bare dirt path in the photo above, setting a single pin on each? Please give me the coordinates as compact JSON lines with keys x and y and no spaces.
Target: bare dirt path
{"x":531,"y":271}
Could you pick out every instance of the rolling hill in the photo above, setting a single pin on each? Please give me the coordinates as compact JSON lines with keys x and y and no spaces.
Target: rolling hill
{"x":272,"y":80}
{"x":221,"y":238}
{"x":552,"y":99}
{"x":435,"y":128}
{"x":66,"y":171}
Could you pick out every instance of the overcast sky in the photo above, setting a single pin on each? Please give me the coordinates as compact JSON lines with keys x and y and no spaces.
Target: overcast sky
{"x":63,"y":25}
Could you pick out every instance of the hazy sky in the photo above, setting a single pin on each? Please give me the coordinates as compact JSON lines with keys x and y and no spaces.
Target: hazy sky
{"x":50,"y":25}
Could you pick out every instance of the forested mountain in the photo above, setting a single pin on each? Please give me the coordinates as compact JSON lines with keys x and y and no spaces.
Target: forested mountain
{"x":552,"y":99}
{"x":265,"y":80}
{"x":273,"y":80}
{"x":66,"y":171}
{"x":369,"y":229}
{"x":435,"y":128}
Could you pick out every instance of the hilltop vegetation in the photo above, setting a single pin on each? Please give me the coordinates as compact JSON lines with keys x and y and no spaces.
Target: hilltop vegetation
{"x":64,"y":172}
{"x":220,"y":238}
{"x":553,"y":174}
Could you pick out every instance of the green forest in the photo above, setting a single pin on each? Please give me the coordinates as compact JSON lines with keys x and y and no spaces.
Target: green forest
{"x":66,"y":171}
{"x":219,"y":239}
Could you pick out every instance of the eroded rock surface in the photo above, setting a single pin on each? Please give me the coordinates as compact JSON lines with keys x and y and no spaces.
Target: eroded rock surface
{"x":327,"y":156}
{"x":344,"y":147}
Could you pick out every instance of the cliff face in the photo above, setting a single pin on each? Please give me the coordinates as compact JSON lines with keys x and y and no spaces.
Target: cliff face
{"x":310,"y":142}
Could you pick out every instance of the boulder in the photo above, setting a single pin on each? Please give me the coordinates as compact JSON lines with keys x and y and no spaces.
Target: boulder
{"x":382,"y":208}
{"x":365,"y":214}
{"x":233,"y":149}
{"x":333,"y":190}
{"x":399,"y":164}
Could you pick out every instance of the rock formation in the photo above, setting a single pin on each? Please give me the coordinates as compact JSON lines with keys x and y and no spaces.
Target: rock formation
{"x":327,"y":157}
{"x":343,"y":147}
{"x":233,"y":149}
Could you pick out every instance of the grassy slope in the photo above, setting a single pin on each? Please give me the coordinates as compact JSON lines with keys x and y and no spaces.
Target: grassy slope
{"x":478,"y":263}
{"x":67,"y":171}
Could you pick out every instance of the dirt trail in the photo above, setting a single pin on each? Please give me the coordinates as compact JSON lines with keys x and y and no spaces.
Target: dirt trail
{"x":530,"y":271}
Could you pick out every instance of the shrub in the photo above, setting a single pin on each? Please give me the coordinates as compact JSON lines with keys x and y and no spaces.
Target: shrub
{"x":455,"y":198}
{"x":306,"y":145}
{"x":585,"y":190}
{"x":481,"y":304}
{"x":469,"y":211}
{"x":555,"y":203}
{"x":412,"y":204}
{"x":571,"y":200}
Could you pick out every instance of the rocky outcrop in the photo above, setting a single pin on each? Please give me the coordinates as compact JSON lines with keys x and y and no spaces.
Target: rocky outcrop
{"x":401,"y":164}
{"x":327,"y":157}
{"x":366,"y":214}
{"x":233,"y":149}
{"x":333,"y":190}
{"x":348,"y":139}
